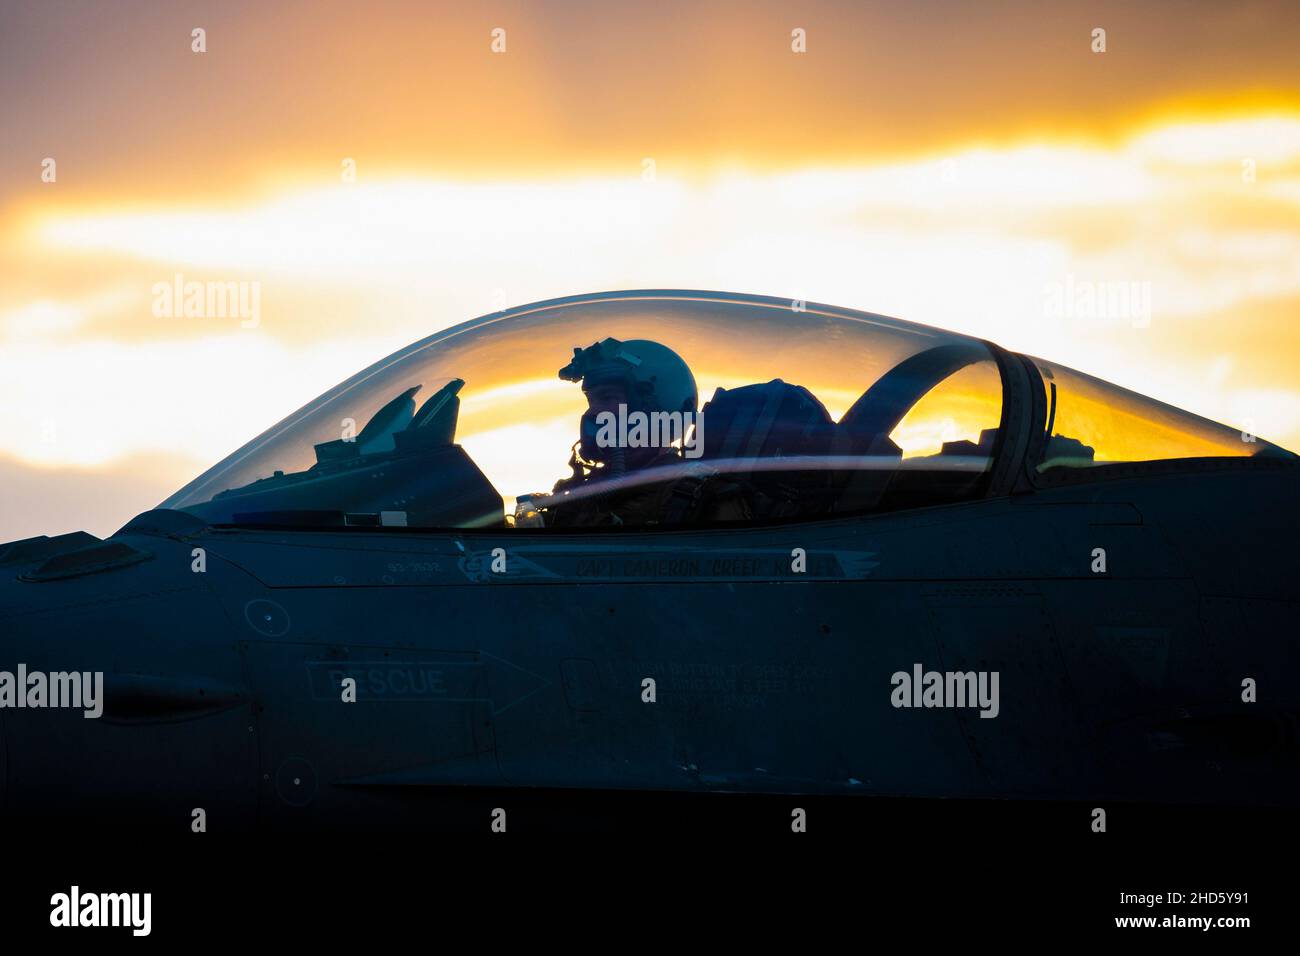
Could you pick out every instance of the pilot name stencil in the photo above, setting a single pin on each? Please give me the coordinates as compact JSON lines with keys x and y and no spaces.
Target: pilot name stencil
{"x":559,"y":562}
{"x":722,"y":567}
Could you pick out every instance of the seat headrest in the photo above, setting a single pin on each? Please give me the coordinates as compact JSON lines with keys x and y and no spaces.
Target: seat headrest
{"x":771,"y":419}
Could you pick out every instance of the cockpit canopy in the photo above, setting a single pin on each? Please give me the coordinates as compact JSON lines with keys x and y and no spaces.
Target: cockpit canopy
{"x":807,"y":411}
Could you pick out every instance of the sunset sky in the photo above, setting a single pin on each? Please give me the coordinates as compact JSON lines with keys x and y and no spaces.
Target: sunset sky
{"x":968,"y":166}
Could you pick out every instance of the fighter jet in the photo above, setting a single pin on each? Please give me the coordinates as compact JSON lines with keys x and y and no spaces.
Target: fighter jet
{"x":673,"y":541}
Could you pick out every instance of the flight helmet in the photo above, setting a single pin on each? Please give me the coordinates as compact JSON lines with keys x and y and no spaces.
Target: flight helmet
{"x":654,"y":378}
{"x":653,"y":375}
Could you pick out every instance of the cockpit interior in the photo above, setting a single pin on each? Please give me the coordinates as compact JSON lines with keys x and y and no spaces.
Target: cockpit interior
{"x":793,"y":412}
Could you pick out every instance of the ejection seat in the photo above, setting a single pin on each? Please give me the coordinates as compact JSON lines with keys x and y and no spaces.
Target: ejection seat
{"x":764,"y":447}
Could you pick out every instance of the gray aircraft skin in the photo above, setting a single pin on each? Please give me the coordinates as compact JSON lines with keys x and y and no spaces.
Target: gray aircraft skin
{"x":1139,"y":616}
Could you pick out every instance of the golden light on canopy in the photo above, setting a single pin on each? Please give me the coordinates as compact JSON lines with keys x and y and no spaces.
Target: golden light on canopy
{"x":856,"y":173}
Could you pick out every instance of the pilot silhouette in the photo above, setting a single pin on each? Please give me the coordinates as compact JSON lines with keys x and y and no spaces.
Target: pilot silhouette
{"x":613,"y":460}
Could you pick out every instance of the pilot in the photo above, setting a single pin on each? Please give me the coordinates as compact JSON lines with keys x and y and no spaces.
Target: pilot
{"x":614,"y":480}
